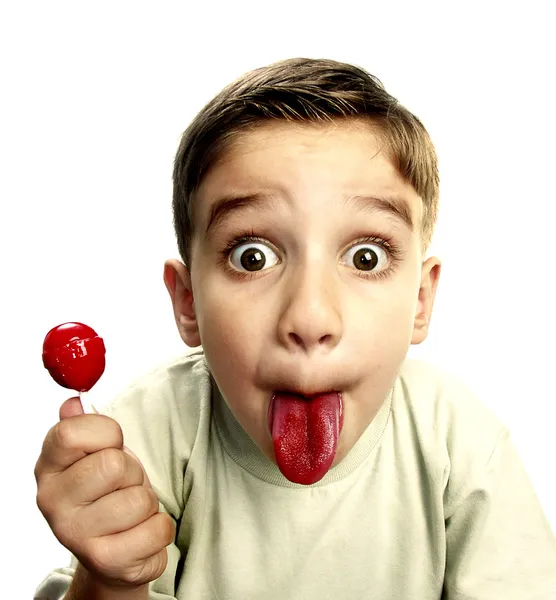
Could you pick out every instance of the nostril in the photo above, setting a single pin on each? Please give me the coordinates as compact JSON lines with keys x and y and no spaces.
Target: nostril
{"x":296,"y":339}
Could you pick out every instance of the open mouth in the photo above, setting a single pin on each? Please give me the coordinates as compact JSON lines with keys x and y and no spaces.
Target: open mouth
{"x":302,"y":396}
{"x":305,"y":431}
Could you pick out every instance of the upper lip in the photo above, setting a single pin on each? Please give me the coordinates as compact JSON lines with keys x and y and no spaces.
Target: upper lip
{"x":305,"y":393}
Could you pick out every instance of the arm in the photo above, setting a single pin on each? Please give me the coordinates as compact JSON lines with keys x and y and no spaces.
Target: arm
{"x":160,"y":427}
{"x":499,"y":542}
{"x":122,"y":538}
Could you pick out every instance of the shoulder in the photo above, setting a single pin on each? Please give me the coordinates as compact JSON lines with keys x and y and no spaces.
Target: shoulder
{"x":179,"y":386}
{"x":452,"y":426}
{"x":161,"y":415}
{"x":179,"y":370}
{"x":435,"y":396}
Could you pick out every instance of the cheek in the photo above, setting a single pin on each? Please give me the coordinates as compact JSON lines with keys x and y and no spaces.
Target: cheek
{"x":385,"y":319}
{"x":230,"y":326}
{"x":231,"y":318}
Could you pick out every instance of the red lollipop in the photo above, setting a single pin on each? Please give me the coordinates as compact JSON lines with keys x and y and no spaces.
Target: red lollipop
{"x":74,"y":355}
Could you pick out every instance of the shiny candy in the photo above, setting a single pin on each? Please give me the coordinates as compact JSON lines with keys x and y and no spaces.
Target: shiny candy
{"x":74,"y":355}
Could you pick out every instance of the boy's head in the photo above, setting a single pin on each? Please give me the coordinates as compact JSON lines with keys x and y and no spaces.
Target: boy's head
{"x":305,"y":198}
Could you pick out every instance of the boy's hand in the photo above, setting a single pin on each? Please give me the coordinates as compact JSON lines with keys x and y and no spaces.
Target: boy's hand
{"x":98,"y":500}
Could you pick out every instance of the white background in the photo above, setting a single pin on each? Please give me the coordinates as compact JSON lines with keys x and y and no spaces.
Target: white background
{"x":94,"y":98}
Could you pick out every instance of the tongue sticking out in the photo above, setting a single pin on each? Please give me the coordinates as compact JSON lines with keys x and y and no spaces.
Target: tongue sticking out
{"x":305,"y":434}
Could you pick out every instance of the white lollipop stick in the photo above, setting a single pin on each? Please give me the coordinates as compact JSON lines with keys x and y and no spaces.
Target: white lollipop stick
{"x":88,"y":408}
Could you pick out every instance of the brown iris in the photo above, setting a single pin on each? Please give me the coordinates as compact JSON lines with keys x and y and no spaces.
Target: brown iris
{"x":365,"y":259}
{"x":252,"y":259}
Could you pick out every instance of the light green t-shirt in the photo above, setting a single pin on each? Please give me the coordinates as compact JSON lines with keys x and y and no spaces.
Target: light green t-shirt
{"x":432,"y":502}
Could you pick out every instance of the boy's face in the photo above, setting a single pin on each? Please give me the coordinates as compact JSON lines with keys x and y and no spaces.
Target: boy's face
{"x":309,"y":283}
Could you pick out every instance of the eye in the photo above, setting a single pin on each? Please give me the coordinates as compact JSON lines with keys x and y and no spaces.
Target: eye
{"x":367,"y":257}
{"x":253,"y":257}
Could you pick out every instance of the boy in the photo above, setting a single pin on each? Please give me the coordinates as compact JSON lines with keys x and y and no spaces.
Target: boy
{"x":298,"y":454}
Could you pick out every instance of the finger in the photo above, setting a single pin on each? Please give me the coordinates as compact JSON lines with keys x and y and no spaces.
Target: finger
{"x":124,"y":551}
{"x":147,"y":481}
{"x":71,"y":408}
{"x":119,"y":511}
{"x":142,"y":572}
{"x":73,"y":438}
{"x":97,"y":475}
{"x":152,"y":568}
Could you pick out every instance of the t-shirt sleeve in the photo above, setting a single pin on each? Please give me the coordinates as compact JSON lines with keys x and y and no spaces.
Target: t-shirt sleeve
{"x":499,"y":541}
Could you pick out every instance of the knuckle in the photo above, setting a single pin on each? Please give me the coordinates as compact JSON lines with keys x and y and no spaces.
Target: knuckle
{"x":37,"y":471}
{"x":159,"y":532}
{"x":112,"y":464}
{"x":167,"y":529}
{"x":154,"y":500}
{"x":141,"y":500}
{"x":65,"y":434}
{"x":45,"y":501}
{"x":113,"y":427}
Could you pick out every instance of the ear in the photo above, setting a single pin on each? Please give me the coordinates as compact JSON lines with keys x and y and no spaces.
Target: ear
{"x":178,"y":283}
{"x":430,"y":274}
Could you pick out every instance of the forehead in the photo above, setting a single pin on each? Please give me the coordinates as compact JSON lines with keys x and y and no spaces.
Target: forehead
{"x":294,"y":159}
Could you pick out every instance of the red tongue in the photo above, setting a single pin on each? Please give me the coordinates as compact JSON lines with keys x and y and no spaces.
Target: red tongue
{"x":305,"y":434}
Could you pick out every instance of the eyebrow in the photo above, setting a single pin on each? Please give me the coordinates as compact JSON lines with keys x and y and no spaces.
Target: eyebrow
{"x":396,"y":206}
{"x":393,"y":205}
{"x":228,"y":204}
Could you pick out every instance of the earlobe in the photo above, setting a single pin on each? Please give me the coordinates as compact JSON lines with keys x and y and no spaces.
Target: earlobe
{"x":178,"y":283}
{"x":427,"y":292}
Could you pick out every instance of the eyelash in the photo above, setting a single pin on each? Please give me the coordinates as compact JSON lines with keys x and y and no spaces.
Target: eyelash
{"x":246,"y":237}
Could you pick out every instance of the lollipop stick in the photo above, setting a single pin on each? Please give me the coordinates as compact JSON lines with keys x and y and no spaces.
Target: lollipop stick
{"x":88,"y":408}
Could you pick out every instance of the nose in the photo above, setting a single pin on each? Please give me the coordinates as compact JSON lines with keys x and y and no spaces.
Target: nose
{"x":311,"y":319}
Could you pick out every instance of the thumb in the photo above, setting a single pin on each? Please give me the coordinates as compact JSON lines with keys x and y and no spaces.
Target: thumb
{"x":71,"y":408}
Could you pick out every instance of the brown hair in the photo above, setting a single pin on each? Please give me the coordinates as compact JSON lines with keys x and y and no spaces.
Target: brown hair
{"x":302,"y":90}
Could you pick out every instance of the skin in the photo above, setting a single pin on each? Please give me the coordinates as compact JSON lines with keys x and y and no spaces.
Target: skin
{"x":98,"y":501}
{"x":311,"y":320}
